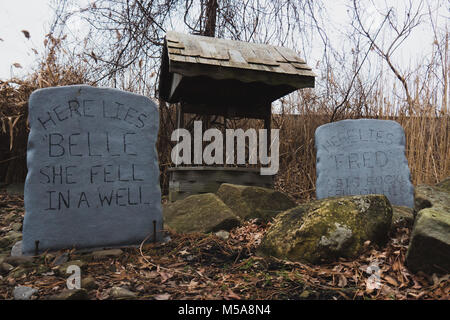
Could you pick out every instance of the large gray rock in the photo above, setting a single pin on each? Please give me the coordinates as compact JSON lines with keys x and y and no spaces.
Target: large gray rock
{"x":199,"y":213}
{"x":363,"y":156}
{"x":325,"y":230}
{"x":250,"y":202}
{"x":93,"y":176}
{"x":429,"y":247}
{"x":431,"y":196}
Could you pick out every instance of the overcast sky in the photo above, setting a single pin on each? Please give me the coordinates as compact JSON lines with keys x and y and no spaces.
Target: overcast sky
{"x":35,"y":16}
{"x":15,"y":16}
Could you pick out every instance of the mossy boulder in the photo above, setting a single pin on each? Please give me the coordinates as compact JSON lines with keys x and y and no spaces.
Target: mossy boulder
{"x":324,"y":230}
{"x":249,"y":202}
{"x":444,"y":184}
{"x":199,"y":213}
{"x":429,"y":246}
{"x":431,"y":196}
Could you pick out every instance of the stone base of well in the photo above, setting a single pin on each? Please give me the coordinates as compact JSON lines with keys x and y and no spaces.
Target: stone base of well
{"x":186,"y":181}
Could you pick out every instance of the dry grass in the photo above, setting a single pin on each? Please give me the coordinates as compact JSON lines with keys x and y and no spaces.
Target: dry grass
{"x":427,"y":146}
{"x":14,"y":95}
{"x":427,"y":131}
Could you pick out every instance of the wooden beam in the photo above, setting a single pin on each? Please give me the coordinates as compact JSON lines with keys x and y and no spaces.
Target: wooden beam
{"x":175,"y":83}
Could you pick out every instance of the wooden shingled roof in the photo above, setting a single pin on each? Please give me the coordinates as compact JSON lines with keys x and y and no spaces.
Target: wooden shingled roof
{"x":262,"y":72}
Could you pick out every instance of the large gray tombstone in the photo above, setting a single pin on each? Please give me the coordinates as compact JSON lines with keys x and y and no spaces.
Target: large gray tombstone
{"x":363,"y":156}
{"x":93,"y":176}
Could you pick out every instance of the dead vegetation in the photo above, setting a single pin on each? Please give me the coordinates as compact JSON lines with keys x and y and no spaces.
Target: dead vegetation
{"x":207,"y":267}
{"x":344,"y":87}
{"x":14,"y":95}
{"x":199,"y":266}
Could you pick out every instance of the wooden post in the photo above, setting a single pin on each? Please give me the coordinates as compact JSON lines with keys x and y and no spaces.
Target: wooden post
{"x":179,"y":119}
{"x":224,"y":135}
{"x":267,"y":125}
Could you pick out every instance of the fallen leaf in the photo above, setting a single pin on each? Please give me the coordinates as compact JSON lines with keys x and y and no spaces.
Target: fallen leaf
{"x":17,"y":65}
{"x":26,"y":34}
{"x":184,"y":252}
{"x":232,"y":295}
{"x":165,"y":276}
{"x":342,"y":281}
{"x":391,"y":280}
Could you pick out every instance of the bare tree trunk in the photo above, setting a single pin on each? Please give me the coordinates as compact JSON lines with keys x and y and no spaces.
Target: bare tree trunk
{"x":211,"y":17}
{"x":210,"y":31}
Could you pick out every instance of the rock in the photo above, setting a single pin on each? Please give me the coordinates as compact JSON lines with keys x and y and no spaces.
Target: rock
{"x":10,"y":217}
{"x":223,"y":234}
{"x":5,"y":267}
{"x":89,"y":283}
{"x":249,"y":202}
{"x":10,"y":238}
{"x":429,"y":246}
{"x":122,"y":293}
{"x":444,"y":184}
{"x":199,"y":213}
{"x":75,"y":294}
{"x":430,"y":196}
{"x":20,"y":261}
{"x":23,"y":293}
{"x":102,"y":254}
{"x":402,"y":217}
{"x":16,"y":250}
{"x":325,"y":230}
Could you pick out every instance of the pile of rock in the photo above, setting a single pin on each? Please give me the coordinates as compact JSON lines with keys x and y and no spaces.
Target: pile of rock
{"x":225,"y":209}
{"x":324,"y":230}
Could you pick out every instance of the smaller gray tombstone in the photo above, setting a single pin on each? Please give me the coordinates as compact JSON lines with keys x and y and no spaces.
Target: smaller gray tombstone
{"x":93,"y":175}
{"x":363,"y":156}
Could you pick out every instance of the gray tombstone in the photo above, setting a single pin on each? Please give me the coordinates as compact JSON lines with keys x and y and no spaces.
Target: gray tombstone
{"x":363,"y":156}
{"x":93,"y":175}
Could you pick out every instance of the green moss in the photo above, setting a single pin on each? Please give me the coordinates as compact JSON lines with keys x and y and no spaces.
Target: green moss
{"x":199,"y":213}
{"x":429,"y":249}
{"x":249,"y":202}
{"x":324,"y":230}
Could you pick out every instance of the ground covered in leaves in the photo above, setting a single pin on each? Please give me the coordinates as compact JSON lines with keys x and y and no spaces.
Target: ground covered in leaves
{"x":199,"y":266}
